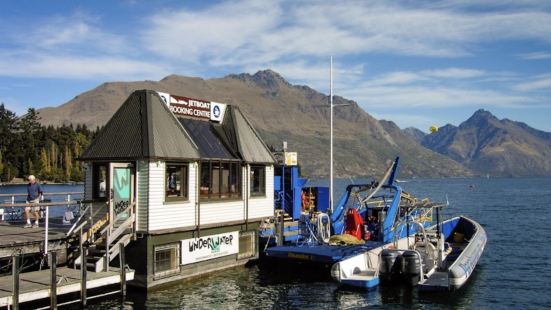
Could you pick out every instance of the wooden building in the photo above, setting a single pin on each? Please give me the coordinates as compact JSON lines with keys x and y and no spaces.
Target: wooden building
{"x":184,"y":183}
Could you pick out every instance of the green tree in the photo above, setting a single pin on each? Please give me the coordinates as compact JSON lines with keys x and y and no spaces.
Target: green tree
{"x":44,"y":162}
{"x":68,"y":159}
{"x":1,"y":166}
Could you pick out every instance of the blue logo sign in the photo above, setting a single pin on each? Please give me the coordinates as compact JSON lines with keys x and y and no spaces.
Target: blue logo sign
{"x":216,"y":111}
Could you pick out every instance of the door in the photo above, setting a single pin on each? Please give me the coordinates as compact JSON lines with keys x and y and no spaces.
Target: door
{"x":122,"y":192}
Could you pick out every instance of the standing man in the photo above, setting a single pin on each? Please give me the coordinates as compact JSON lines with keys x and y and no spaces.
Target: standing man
{"x":34,"y":193}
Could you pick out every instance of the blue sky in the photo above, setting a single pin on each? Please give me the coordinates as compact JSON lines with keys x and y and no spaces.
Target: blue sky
{"x":413,"y":62}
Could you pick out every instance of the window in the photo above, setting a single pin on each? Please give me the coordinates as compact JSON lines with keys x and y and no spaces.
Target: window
{"x":167,"y":258}
{"x":176,"y":178}
{"x":247,"y":245}
{"x":220,"y":180}
{"x":99,"y":181}
{"x":258,"y":180}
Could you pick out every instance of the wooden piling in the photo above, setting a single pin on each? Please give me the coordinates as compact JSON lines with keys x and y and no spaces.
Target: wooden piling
{"x":53,"y":280}
{"x":122,"y":264}
{"x":15,"y":282}
{"x":281,"y":226}
{"x":83,"y":263}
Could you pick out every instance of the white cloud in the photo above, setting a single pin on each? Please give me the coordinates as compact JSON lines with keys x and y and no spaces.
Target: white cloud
{"x":434,"y":97}
{"x":395,"y":78}
{"x":541,"y":83}
{"x":80,"y":68}
{"x":229,"y":29}
{"x":454,"y":73}
{"x":77,"y":32}
{"x":536,"y":56}
{"x":244,"y":32}
{"x":425,"y":76}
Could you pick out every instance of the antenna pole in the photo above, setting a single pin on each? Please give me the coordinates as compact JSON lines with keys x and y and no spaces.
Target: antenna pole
{"x":331,"y":148}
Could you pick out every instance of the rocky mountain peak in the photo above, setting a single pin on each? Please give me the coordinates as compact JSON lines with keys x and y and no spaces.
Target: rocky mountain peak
{"x":263,"y":78}
{"x":415,"y":133}
{"x":481,"y":117}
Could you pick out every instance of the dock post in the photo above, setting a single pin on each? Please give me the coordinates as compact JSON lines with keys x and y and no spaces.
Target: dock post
{"x":122,"y":264}
{"x":281,"y":228}
{"x":53,"y":280}
{"x":15,"y":281}
{"x":83,"y":270}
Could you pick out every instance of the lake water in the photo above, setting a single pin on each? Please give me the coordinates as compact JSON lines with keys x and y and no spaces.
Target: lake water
{"x":514,"y":271}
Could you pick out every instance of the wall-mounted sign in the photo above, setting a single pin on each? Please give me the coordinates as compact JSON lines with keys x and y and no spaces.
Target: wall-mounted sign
{"x":217,"y":111}
{"x":291,"y":159}
{"x":184,"y":106}
{"x":209,"y":247}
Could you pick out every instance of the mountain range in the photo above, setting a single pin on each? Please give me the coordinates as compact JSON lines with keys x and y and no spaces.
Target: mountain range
{"x":488,"y":145}
{"x":280,"y":111}
{"x":364,"y":146}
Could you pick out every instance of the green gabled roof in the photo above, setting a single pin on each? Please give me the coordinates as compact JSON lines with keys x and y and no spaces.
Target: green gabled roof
{"x":250,"y":145}
{"x":143,"y":127}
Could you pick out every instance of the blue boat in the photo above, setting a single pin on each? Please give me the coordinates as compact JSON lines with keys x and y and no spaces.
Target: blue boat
{"x":311,"y":226}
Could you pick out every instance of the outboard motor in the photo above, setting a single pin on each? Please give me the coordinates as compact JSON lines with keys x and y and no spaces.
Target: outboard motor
{"x":411,"y":268}
{"x":386,"y":267}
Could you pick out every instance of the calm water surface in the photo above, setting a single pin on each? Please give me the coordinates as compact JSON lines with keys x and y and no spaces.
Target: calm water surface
{"x":513,"y":273}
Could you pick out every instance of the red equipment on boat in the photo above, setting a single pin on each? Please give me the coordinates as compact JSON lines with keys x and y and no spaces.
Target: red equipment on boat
{"x":354,"y":223}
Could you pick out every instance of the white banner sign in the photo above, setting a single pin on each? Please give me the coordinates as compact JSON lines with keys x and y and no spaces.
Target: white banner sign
{"x":209,"y":247}
{"x":185,"y":106}
{"x":217,"y":111}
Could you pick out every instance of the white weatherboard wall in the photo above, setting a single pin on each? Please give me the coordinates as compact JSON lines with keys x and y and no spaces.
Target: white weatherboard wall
{"x":88,"y":173}
{"x":263,"y":206}
{"x":220,"y":212}
{"x":142,"y":195}
{"x":169,"y":215}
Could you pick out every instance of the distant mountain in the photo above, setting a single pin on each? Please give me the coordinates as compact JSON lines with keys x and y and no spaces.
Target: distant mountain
{"x":489,"y":145}
{"x":280,"y":111}
{"x":414,"y":133}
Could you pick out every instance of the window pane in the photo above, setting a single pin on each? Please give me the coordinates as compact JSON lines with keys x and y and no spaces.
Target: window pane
{"x":100,"y":181}
{"x":166,"y":259}
{"x":184,"y":189}
{"x":176,"y":181}
{"x":205,"y":180}
{"x":215,"y":189}
{"x":173,"y":181}
{"x":258,"y":180}
{"x":235,"y":176}
{"x":225,"y":186}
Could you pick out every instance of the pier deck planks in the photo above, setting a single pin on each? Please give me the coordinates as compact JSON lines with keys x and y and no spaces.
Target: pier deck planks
{"x":36,"y":285}
{"x":15,"y":238}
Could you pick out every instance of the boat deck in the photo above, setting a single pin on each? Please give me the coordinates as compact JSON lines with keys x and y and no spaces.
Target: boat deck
{"x":324,"y":253}
{"x":438,"y":281}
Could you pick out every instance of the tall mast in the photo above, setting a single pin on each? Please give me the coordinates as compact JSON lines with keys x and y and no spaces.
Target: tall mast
{"x":331,"y":148}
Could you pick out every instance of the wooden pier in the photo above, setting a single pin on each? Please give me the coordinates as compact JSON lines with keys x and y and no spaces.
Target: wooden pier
{"x":65,"y":245}
{"x":16,"y":239}
{"x":36,"y":285}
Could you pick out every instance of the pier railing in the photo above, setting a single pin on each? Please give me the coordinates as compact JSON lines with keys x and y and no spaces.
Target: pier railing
{"x":96,"y":227}
{"x":101,"y":228}
{"x":11,"y":205}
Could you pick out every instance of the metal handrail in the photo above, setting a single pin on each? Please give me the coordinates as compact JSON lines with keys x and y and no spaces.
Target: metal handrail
{"x":40,"y":204}
{"x":49,"y":194}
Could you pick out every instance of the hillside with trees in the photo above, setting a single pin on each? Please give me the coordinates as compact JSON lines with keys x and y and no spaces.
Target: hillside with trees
{"x":50,"y":153}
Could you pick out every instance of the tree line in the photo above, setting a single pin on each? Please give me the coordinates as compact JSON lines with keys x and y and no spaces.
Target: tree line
{"x":50,"y":153}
